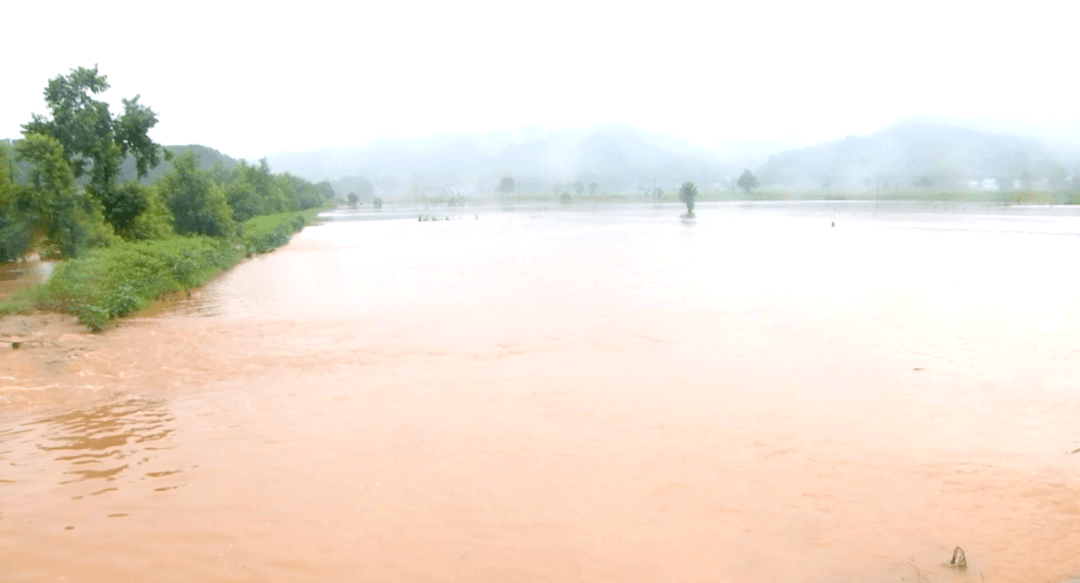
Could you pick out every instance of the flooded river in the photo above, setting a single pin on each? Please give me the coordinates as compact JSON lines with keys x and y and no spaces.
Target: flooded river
{"x":572,"y":394}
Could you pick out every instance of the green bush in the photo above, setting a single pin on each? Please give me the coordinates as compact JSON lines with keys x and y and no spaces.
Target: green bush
{"x":116,"y":281}
{"x":112,"y":282}
{"x":262,"y":234}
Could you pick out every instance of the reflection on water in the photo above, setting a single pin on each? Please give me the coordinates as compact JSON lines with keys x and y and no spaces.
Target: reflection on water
{"x":581,"y":394}
{"x":100,"y":442}
{"x":105,"y":442}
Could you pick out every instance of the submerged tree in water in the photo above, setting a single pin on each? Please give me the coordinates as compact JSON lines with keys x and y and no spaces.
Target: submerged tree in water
{"x":687,"y":194}
{"x":747,"y":181}
{"x":506,"y":185}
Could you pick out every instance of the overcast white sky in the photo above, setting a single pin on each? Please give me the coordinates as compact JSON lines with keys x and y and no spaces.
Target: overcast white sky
{"x":254,"y":78}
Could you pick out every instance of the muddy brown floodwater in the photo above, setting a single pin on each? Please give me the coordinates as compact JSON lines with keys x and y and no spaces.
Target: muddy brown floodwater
{"x":572,"y":395}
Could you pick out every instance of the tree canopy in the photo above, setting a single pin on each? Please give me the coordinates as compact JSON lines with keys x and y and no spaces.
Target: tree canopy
{"x":197,"y":203}
{"x":93,"y":141}
{"x":64,"y":195}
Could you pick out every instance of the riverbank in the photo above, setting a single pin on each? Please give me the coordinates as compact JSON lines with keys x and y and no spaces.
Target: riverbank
{"x":122,"y":279}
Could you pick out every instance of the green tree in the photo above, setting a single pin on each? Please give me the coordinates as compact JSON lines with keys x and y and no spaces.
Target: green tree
{"x":198,"y":204}
{"x":156,"y":222}
{"x":327,"y":190}
{"x":377,"y":202}
{"x":124,"y":202}
{"x":93,"y":141}
{"x":353,"y":199}
{"x":299,"y":193}
{"x":243,"y":200}
{"x":687,"y":194}
{"x":506,"y":185}
{"x":579,"y":187}
{"x":66,"y":218}
{"x":592,"y":187}
{"x":747,"y":181}
{"x":15,"y":227}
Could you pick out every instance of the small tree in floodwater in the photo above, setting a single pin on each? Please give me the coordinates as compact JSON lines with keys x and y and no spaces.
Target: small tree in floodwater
{"x":687,"y":194}
{"x":747,"y":181}
{"x":378,"y":202}
{"x":353,"y":199}
{"x":506,"y":185}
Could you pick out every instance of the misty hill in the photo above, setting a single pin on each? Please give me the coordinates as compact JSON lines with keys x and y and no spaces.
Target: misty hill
{"x":1063,"y":137}
{"x":617,"y":157}
{"x":917,"y":153}
{"x":205,"y":158}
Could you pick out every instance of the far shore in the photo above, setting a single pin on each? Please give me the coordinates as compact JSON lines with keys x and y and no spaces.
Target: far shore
{"x":1029,"y":197}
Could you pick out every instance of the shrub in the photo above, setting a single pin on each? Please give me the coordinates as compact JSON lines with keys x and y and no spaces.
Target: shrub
{"x":112,"y":282}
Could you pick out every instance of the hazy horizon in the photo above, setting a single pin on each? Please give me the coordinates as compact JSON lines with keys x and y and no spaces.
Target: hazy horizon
{"x":254,"y":82}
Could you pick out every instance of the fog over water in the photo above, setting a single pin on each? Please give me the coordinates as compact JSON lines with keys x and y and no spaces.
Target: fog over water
{"x":573,"y":393}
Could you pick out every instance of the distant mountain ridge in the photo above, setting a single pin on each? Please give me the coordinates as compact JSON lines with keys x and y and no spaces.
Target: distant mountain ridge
{"x":615,"y":156}
{"x":918,"y":153}
{"x":923,"y":152}
{"x":205,"y":157}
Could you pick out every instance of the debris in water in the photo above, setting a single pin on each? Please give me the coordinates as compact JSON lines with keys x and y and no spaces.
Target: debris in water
{"x":959,"y":559}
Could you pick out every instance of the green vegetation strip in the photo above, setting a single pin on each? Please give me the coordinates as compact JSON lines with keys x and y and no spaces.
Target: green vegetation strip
{"x":111,"y":282}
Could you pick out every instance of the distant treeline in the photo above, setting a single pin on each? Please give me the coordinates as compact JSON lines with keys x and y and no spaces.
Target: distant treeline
{"x":914,"y":155}
{"x":83,"y":178}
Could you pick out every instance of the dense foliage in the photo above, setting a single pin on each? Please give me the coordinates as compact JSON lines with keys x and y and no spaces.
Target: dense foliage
{"x":125,"y":243}
{"x":106,"y":283}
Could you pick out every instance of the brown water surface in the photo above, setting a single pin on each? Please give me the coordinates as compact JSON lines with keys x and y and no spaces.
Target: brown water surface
{"x":572,"y":395}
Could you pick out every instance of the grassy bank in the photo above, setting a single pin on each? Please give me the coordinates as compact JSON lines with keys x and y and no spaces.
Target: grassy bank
{"x":112,"y":282}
